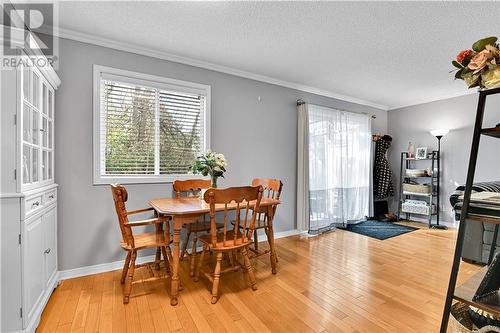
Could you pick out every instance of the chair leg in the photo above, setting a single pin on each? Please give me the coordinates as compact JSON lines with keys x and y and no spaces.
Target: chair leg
{"x":271,"y":245}
{"x":125,"y":268}
{"x":255,"y":241}
{"x":215,"y":285}
{"x":200,"y":264}
{"x":233,"y":255}
{"x":130,"y":277}
{"x":249,"y":268}
{"x":184,"y":246}
{"x":158,"y":258}
{"x":193,"y":254}
{"x":166,"y":260}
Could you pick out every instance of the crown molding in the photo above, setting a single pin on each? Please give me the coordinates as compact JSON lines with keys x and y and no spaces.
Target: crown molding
{"x":137,"y":49}
{"x":435,"y":99}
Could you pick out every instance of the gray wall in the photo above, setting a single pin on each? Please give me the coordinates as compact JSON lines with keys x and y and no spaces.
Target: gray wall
{"x":258,"y":139}
{"x":457,"y":114}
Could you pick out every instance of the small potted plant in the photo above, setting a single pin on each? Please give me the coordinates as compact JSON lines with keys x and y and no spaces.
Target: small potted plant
{"x":210,"y":163}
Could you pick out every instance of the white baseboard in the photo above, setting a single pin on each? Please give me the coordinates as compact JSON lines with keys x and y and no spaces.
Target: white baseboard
{"x":446,"y":223}
{"x":287,"y":233}
{"x":111,"y":266}
{"x":99,"y":268}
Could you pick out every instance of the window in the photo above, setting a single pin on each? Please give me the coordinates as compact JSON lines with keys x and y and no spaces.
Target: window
{"x":147,"y":129}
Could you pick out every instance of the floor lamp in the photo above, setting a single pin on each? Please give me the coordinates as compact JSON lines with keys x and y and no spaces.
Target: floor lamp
{"x":439,"y":135}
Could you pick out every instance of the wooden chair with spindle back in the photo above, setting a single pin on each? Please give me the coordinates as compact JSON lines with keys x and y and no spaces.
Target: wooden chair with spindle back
{"x":230,"y":240}
{"x":272,"y":189}
{"x":192,"y":188}
{"x":133,"y":242}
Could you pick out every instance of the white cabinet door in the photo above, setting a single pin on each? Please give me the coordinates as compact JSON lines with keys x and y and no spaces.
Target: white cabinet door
{"x":34,"y":264}
{"x":50,"y":252}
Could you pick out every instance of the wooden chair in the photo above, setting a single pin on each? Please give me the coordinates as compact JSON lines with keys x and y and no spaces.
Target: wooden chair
{"x":192,"y":188}
{"x":272,"y":189}
{"x":230,"y":240}
{"x":132,"y":243}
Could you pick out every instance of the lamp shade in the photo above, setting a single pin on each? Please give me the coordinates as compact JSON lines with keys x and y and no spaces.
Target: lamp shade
{"x":439,"y":132}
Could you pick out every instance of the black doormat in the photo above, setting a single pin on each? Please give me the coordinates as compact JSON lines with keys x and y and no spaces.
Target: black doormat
{"x":378,"y":229}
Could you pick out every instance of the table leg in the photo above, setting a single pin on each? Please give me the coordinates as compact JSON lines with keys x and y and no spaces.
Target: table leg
{"x":270,"y":215}
{"x":175,"y":263}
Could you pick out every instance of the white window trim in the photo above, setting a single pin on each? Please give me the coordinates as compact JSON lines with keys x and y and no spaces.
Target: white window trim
{"x":149,"y":81}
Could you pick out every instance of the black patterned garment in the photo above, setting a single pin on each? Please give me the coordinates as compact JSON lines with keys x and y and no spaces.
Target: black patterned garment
{"x":382,"y":176}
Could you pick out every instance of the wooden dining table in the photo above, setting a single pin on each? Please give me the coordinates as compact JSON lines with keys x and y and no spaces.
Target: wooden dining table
{"x":189,"y":210}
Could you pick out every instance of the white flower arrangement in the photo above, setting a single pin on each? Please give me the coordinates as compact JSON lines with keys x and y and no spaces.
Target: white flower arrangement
{"x":210,"y":163}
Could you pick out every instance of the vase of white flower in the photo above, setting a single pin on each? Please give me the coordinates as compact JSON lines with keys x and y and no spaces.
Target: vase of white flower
{"x":210,"y":164}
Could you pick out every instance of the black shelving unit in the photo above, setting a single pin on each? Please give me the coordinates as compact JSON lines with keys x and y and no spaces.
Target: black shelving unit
{"x":432,"y":198}
{"x":465,"y":292}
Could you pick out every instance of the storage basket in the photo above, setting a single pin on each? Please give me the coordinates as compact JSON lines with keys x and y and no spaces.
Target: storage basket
{"x":462,"y":323}
{"x":416,"y":207}
{"x":416,"y":172}
{"x":417,"y":188}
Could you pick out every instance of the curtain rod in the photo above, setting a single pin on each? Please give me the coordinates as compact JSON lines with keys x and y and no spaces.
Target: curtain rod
{"x":301,"y":102}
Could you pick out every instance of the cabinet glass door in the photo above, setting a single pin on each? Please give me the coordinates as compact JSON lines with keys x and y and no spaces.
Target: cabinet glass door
{"x":26,"y":164}
{"x":37,"y":128}
{"x":44,"y":98}
{"x":51,"y":104}
{"x":44,"y":164}
{"x":50,"y":165}
{"x":26,"y":123}
{"x":44,"y":131}
{"x":35,"y":166}
{"x":26,"y":84}
{"x":34,"y":127}
{"x":50,"y":135}
{"x":36,"y":90}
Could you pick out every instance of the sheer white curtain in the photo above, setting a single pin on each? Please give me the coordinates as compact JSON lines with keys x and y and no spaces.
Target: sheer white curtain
{"x":338,"y":145}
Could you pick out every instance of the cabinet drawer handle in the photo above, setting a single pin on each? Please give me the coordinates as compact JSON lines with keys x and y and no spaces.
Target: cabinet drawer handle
{"x":36,"y":203}
{"x":51,"y":196}
{"x":47,"y":251}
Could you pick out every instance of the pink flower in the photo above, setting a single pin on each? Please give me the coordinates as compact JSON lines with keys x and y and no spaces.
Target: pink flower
{"x":478,"y":62}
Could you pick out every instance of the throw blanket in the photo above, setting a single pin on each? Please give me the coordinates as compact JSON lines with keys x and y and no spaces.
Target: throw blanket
{"x":477,"y":187}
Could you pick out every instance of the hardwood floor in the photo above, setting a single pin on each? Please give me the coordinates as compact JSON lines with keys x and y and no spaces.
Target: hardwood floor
{"x":337,"y":282}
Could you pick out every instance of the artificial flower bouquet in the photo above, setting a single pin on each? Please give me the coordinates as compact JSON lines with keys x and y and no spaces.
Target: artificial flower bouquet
{"x":210,"y":163}
{"x":480,"y":66}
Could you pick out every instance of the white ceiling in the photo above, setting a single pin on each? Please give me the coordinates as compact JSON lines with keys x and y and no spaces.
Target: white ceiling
{"x":390,"y":54}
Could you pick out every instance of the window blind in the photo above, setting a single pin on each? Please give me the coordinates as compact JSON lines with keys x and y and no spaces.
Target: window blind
{"x":149,"y":131}
{"x":180,"y":131}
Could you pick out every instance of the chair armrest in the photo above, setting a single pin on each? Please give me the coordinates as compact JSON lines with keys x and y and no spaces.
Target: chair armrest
{"x":138,"y":223}
{"x":137,"y":211}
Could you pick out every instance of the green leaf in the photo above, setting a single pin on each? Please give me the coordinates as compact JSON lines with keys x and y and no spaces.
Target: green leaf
{"x":458,"y":74}
{"x":481,"y":44}
{"x":457,"y":64}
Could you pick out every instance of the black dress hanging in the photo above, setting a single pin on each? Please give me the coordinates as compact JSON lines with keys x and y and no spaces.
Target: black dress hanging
{"x":382,"y":176}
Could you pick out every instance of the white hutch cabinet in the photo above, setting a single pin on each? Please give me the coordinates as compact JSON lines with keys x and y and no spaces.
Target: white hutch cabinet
{"x":28,"y":194}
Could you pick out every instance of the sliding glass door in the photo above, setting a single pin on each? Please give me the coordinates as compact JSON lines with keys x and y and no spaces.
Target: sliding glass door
{"x":339,"y":146}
